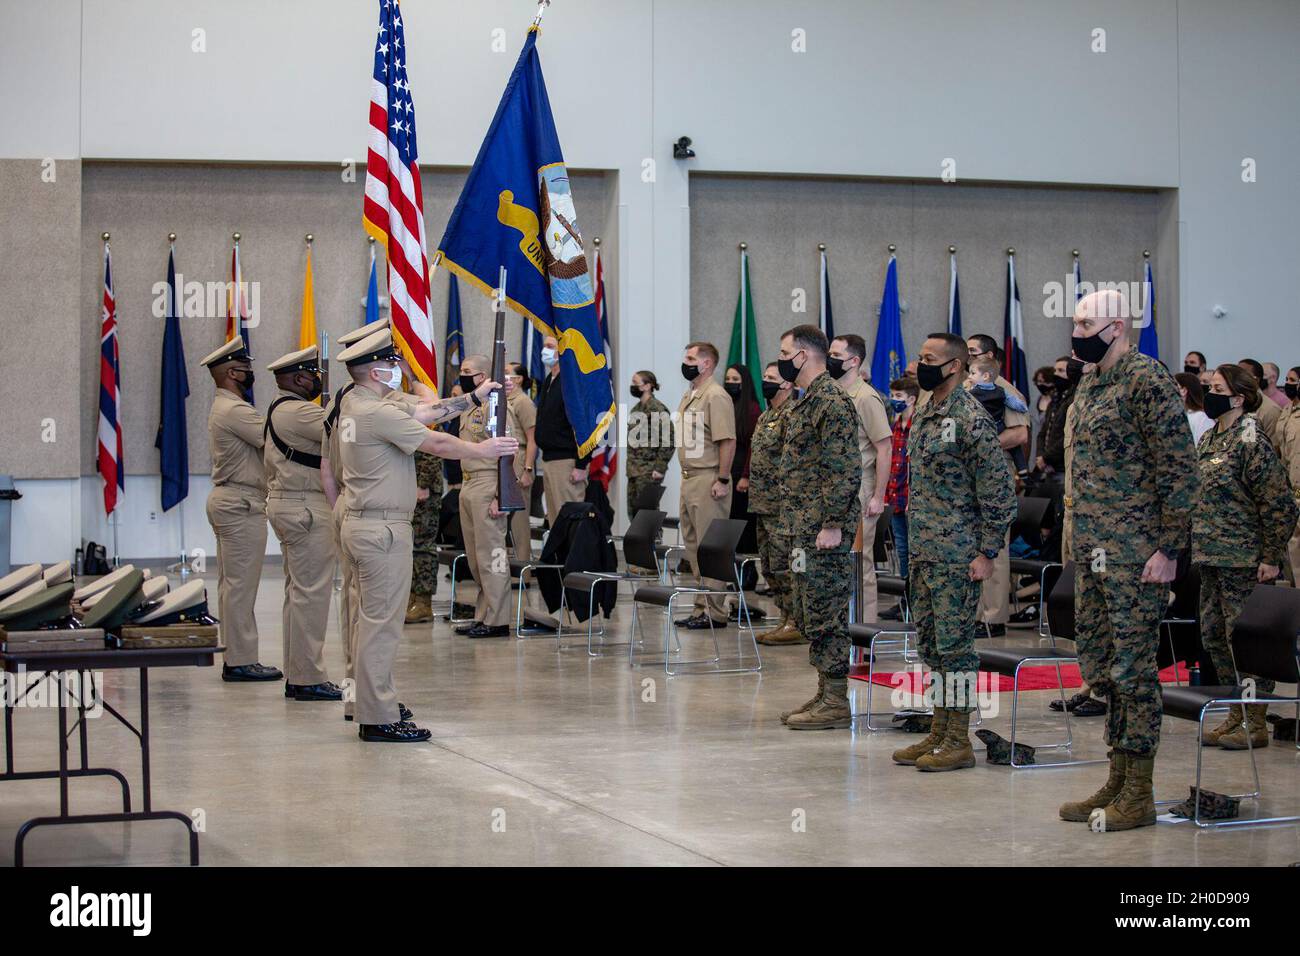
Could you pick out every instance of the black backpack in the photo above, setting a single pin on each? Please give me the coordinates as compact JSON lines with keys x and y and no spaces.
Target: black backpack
{"x":96,"y":560}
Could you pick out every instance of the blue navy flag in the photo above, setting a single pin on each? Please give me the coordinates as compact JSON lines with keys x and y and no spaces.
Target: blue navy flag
{"x":372,"y":291}
{"x":954,"y":297}
{"x":827,"y":320}
{"x":453,"y":350}
{"x":1014,"y":367}
{"x":172,"y":442}
{"x":517,"y":211}
{"x":890,"y":358}
{"x":1148,"y":341}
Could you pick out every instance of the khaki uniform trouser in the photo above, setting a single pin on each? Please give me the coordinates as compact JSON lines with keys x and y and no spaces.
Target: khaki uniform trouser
{"x":995,"y":593}
{"x":557,"y":489}
{"x":697,"y":511}
{"x":380,"y":551}
{"x":349,"y":602}
{"x":485,"y":548}
{"x":522,"y":532}
{"x":305,"y":527}
{"x":870,"y":602}
{"x":1293,"y":555}
{"x":238,"y":519}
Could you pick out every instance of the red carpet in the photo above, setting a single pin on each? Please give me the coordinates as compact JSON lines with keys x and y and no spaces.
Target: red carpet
{"x":1031,"y":678}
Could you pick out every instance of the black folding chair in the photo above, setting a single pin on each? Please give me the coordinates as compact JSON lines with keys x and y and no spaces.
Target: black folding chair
{"x":1031,"y":515}
{"x":717,"y":560}
{"x":638,"y":552}
{"x":1265,"y":642}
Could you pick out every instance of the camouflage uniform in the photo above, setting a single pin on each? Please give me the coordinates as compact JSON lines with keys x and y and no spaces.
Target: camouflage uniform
{"x":1131,"y":480}
{"x":1243,"y":517}
{"x":821,"y":472}
{"x":963,"y":500}
{"x":424,"y":523}
{"x":650,"y":447}
{"x":1287,"y":442}
{"x":766,"y":449}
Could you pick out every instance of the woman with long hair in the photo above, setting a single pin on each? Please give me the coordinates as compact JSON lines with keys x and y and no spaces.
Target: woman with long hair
{"x":740,"y":386}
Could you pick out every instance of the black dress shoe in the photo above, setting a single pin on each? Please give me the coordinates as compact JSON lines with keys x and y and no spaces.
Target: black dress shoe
{"x":1027,"y":616}
{"x":702,"y":622}
{"x":325,"y":691}
{"x":462,"y":610}
{"x":466,"y":628}
{"x":402,"y":709}
{"x":688,"y":621}
{"x":488,"y":630}
{"x":250,"y":672}
{"x":402,"y":732}
{"x":1092,"y":707}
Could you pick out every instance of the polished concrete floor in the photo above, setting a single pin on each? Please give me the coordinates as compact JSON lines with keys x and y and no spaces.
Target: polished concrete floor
{"x":546,"y":757}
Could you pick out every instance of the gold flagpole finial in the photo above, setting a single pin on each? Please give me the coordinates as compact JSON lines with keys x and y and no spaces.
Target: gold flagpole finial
{"x":104,"y":237}
{"x":744,"y":246}
{"x":236,"y":237}
{"x":310,"y":237}
{"x":821,"y":247}
{"x":952,"y":250}
{"x":171,"y":237}
{"x":892,"y":248}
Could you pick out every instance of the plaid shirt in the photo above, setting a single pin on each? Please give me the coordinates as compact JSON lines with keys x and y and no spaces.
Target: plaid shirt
{"x":896,"y":492}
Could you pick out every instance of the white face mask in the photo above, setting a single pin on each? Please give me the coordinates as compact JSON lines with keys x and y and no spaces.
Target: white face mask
{"x":394,"y":378}
{"x":549,"y":357}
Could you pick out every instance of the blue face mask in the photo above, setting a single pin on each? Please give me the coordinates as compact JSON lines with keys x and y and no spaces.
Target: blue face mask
{"x":899,"y":405}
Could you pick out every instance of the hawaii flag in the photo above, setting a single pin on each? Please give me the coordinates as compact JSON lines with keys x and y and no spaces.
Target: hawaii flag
{"x":112,"y":468}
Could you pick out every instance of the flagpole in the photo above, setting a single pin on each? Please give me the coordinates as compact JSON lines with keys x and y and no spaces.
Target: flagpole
{"x":821,"y":282}
{"x":744,"y":345}
{"x":541,"y":9}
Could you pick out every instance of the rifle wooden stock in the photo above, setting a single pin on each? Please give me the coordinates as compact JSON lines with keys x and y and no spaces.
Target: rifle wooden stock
{"x":510,"y":496}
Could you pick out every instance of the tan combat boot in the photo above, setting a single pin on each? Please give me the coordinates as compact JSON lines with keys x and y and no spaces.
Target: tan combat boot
{"x":1079,"y":811}
{"x":821,"y":686}
{"x":938,"y":727}
{"x":787,"y":633}
{"x":419,"y":610}
{"x":1136,"y":804}
{"x":954,"y":751}
{"x":830,"y":712}
{"x":1256,"y":725}
{"x":1211,"y":738}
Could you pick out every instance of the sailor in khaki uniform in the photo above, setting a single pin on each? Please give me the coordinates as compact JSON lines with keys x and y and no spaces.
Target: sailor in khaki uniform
{"x":378,"y":436}
{"x":301,"y":519}
{"x":708,"y":441}
{"x":483,"y":527}
{"x":521,"y":531}
{"x":237,"y":508}
{"x":875,"y":448}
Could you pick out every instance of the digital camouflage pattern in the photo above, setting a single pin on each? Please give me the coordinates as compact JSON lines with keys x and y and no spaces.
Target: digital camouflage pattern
{"x":945,"y":605}
{"x":1117,"y":631}
{"x":963,"y":496}
{"x":1245,"y":511}
{"x":1130,"y":466}
{"x":820,"y":473}
{"x":1223,"y":595}
{"x":765,"y":451}
{"x":424,"y":525}
{"x":774,"y":557}
{"x":650,"y":446}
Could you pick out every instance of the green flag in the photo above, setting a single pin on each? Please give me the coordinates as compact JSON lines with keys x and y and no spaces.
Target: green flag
{"x":744,"y":333}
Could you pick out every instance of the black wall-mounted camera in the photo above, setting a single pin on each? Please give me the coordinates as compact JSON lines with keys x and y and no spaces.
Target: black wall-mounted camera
{"x":682,"y":149}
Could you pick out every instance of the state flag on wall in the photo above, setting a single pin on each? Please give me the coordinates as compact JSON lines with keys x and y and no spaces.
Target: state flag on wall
{"x":954,"y":297}
{"x":112,"y":467}
{"x":889,"y":360}
{"x":453,"y":349}
{"x":172,"y":441}
{"x":827,"y":320}
{"x":604,"y":460}
{"x":1149,"y":341}
{"x":1014,"y":367}
{"x":744,"y":331}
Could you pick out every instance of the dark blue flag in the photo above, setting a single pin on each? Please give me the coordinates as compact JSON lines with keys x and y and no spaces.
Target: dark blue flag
{"x":954,"y":297}
{"x":1148,"y":341}
{"x":890,"y":358}
{"x":454,"y":345}
{"x":172,"y":443}
{"x":517,"y":211}
{"x":827,"y":317}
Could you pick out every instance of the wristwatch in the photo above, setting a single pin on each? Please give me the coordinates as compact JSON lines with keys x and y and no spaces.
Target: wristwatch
{"x":1170,"y":553}
{"x":725,"y":481}
{"x":989,"y":553}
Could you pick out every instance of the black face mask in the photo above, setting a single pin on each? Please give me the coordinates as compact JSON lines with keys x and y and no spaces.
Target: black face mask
{"x":1074,"y":370}
{"x":1061,"y":382}
{"x":690,"y":372}
{"x":785,"y":368}
{"x":1191,"y":370}
{"x":835,"y":366}
{"x":246,"y":378}
{"x":317,"y":386}
{"x":770,"y":390}
{"x":636,"y":393}
{"x":1045,"y":388}
{"x":1292,"y":390}
{"x":1091,"y":348}
{"x":467,"y":383}
{"x":930,"y":377}
{"x":1216,"y":404}
{"x":732,"y":389}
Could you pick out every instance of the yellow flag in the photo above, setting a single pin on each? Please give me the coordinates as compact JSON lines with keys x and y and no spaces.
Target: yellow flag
{"x":307,"y":328}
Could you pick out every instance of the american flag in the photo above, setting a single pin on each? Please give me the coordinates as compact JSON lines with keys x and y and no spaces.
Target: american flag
{"x":112,"y":467}
{"x":604,"y":458}
{"x":394,"y":205}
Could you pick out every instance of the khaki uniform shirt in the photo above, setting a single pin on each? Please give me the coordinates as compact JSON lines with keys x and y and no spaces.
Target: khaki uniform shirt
{"x":301,"y":426}
{"x":525,"y":417}
{"x":235,"y":442}
{"x":1288,"y":444}
{"x":378,"y":460}
{"x":873,"y":426}
{"x":707,"y":416}
{"x":474,"y":429}
{"x":1269,"y":415}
